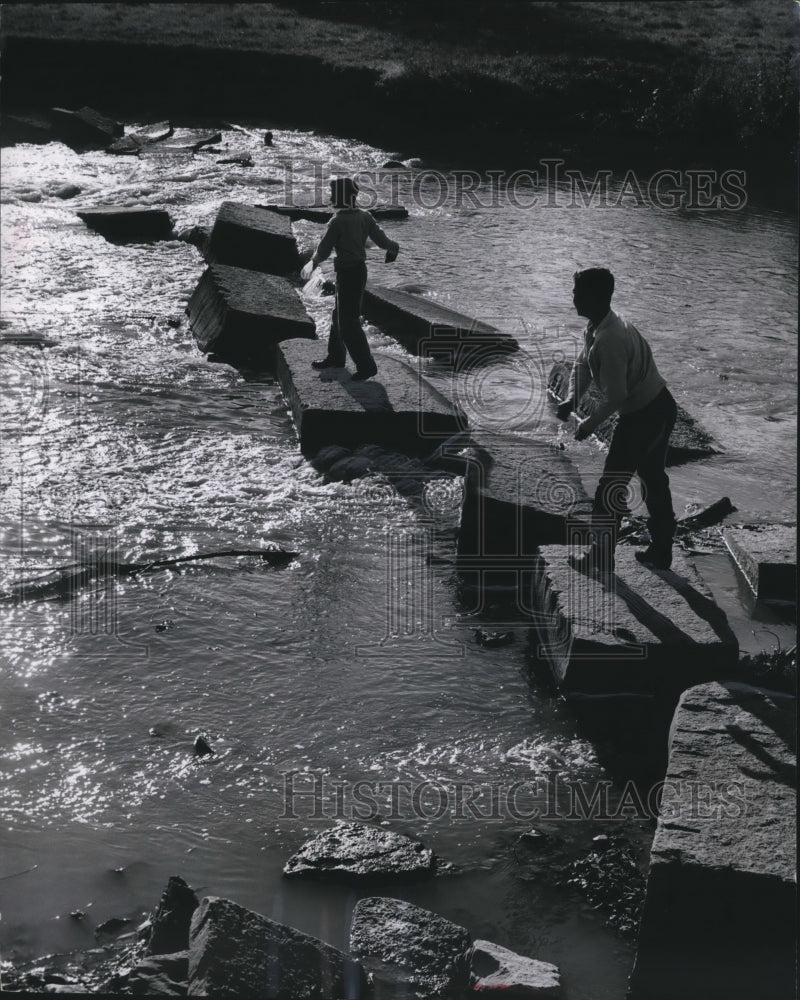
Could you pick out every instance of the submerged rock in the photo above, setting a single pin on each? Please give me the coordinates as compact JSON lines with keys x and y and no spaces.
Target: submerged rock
{"x":495,"y":969}
{"x":410,"y":952}
{"x":234,"y":952}
{"x":202,"y":748}
{"x":170,"y":925}
{"x":357,"y":851}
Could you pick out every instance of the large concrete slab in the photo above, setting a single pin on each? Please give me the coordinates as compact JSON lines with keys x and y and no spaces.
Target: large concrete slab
{"x":432,"y":330}
{"x":519,"y":493}
{"x":719,"y":920}
{"x":396,"y":408}
{"x":85,"y":128}
{"x":767,"y":556}
{"x":688,"y":440}
{"x":251,"y":237}
{"x":323,"y":213}
{"x":241,"y":315}
{"x":129,"y":225}
{"x":636,"y":631}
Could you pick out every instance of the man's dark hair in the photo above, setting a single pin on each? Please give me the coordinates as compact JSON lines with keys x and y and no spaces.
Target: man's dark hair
{"x":343,"y":191}
{"x":597,"y":281}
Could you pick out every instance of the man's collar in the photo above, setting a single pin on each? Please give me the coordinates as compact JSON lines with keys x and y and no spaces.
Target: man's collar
{"x":592,"y":329}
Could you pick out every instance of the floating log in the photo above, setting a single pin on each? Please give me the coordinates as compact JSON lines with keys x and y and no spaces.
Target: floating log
{"x":636,"y":631}
{"x":324,"y":213}
{"x":429,"y":329}
{"x":688,"y":440}
{"x":129,"y":225}
{"x":241,"y":315}
{"x":719,"y":918}
{"x":766,"y":554}
{"x":396,"y":408}
{"x":85,"y":128}
{"x":253,"y":238}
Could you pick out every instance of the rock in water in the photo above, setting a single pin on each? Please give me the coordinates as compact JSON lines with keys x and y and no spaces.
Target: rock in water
{"x":129,"y":225}
{"x":254,"y":238}
{"x":411,"y":952}
{"x":234,"y":952}
{"x":496,"y":969}
{"x":170,"y":930}
{"x":202,"y":747}
{"x":357,"y":851}
{"x":85,"y":128}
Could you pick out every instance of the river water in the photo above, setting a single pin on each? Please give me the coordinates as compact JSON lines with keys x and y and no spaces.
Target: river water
{"x":120,"y":434}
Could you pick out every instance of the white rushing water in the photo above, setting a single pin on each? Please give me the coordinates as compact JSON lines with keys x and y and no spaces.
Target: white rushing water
{"x":122,"y":431}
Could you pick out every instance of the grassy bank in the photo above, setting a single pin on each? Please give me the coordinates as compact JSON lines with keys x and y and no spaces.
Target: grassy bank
{"x":700,"y":74}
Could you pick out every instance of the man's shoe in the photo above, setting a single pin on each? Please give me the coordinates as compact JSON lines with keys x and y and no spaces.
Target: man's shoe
{"x":326,"y":363}
{"x":363,"y":374}
{"x":655,"y":557}
{"x":592,"y":561}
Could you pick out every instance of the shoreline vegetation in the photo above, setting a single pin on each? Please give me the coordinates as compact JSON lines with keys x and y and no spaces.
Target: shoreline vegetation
{"x":707,"y":82}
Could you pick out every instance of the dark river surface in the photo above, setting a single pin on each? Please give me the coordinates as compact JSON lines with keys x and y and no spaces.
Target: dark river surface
{"x":122,"y":431}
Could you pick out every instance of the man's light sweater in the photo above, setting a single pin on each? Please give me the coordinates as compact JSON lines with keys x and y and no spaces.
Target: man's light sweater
{"x":347,"y":233}
{"x":619,"y":359}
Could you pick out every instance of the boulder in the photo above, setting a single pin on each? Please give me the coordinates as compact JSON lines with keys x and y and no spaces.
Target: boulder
{"x":253,"y":238}
{"x":67,"y":191}
{"x":719,"y":919}
{"x":160,"y":975}
{"x":129,"y":225}
{"x":426,"y":328}
{"x":169,"y":930}
{"x":496,"y":969}
{"x":241,"y":315}
{"x":688,"y":440}
{"x":766,"y":554}
{"x":196,"y":235}
{"x":234,"y":952}
{"x":409,"y":951}
{"x":85,"y":128}
{"x":633,"y":632}
{"x":396,"y":409}
{"x":358,"y":852}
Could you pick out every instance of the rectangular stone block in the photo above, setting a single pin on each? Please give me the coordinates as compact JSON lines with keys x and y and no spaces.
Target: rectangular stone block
{"x":129,"y":225}
{"x":432,"y":330}
{"x":241,"y":315}
{"x":253,"y":238}
{"x":688,"y":440}
{"x":323,"y":213}
{"x":396,"y":408}
{"x":85,"y":128}
{"x":767,"y":556}
{"x":637,"y":631}
{"x":720,"y":920}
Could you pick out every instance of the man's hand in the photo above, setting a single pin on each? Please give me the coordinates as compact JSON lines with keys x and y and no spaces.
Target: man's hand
{"x":307,"y":271}
{"x":583,"y":430}
{"x":391,"y":255}
{"x":564,"y":409}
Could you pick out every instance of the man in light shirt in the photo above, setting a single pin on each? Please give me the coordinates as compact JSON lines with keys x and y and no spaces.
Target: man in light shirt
{"x":618,"y":358}
{"x":347,"y":234}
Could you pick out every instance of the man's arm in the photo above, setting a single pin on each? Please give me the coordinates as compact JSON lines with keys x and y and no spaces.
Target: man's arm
{"x":326,"y":244}
{"x":610,"y":364}
{"x":379,"y":237}
{"x":579,"y":380}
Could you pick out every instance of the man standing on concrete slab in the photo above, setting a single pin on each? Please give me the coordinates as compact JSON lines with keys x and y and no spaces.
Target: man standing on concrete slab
{"x":619,"y":360}
{"x":347,"y":234}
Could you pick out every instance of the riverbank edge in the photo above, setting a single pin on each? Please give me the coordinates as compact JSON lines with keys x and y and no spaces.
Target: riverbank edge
{"x":479,"y":122}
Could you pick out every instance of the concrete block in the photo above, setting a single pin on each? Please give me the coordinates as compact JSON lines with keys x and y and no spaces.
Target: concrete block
{"x":129,"y":225}
{"x":253,"y":238}
{"x":241,"y":315}
{"x":637,"y":631}
{"x":767,"y":556}
{"x":719,"y":920}
{"x":85,"y":128}
{"x":396,"y":408}
{"x":432,"y":330}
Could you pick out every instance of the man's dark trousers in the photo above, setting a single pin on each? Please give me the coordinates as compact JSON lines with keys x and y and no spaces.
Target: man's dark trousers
{"x":639,"y":445}
{"x":346,"y":331}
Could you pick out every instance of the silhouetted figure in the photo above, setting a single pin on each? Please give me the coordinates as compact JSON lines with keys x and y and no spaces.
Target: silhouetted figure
{"x":347,"y":234}
{"x":268,"y":138}
{"x":618,"y":358}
